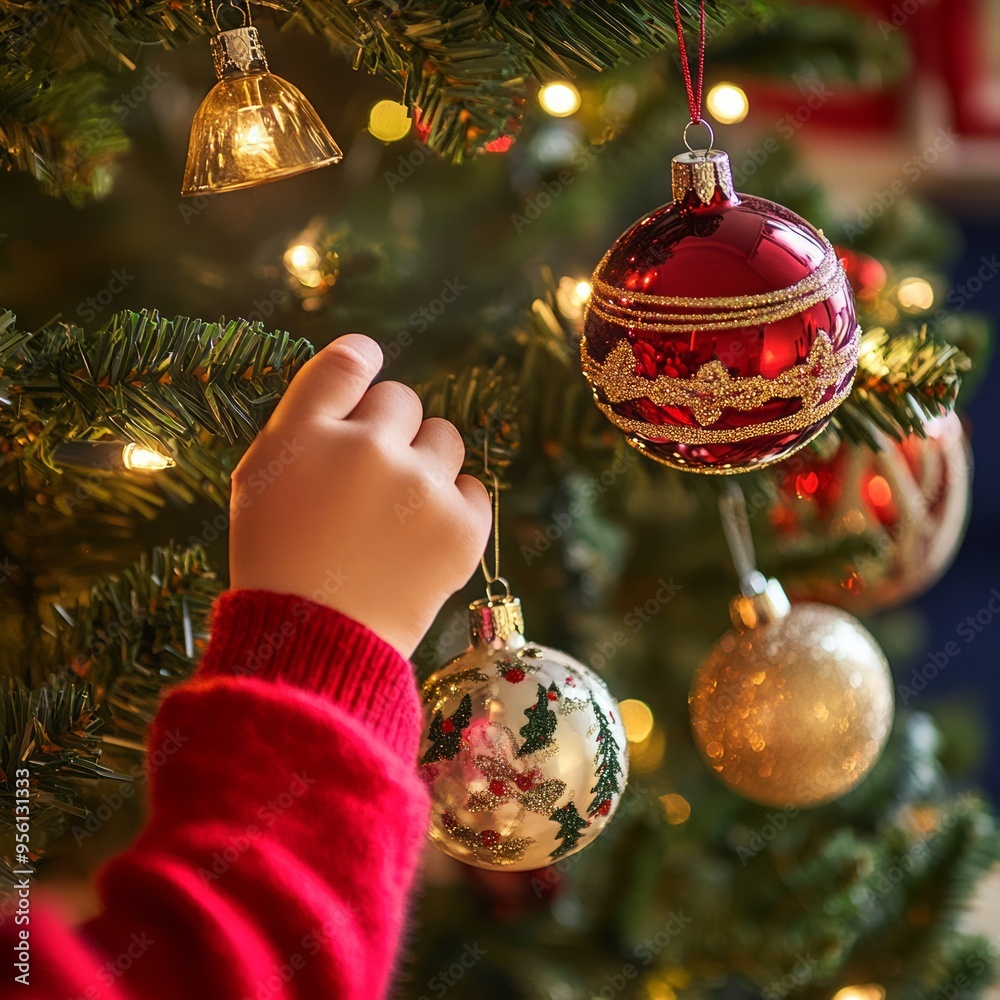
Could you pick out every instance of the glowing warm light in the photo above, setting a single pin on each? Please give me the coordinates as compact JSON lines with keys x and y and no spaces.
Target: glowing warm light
{"x":727,"y":103}
{"x":389,"y":121}
{"x":559,"y":99}
{"x":637,"y":719}
{"x":252,"y":138}
{"x":676,"y":807}
{"x":145,"y":459}
{"x":311,"y":279}
{"x":572,"y":295}
{"x":870,"y":992}
{"x":301,"y":258}
{"x":879,"y":492}
{"x":915,"y":294}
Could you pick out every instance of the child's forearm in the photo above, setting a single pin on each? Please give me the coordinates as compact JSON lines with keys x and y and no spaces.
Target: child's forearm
{"x":286,"y":819}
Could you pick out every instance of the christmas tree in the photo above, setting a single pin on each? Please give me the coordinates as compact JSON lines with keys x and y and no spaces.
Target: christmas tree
{"x":609,"y":771}
{"x":465,"y":248}
{"x":541,"y":724}
{"x":446,"y":734}
{"x":570,"y":824}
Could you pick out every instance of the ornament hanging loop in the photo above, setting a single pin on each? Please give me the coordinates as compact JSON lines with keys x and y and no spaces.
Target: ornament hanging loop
{"x":711,"y":137}
{"x":762,"y":600}
{"x":494,"y":577}
{"x":244,"y":12}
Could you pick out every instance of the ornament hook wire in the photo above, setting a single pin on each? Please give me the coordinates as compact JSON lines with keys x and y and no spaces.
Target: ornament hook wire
{"x":495,"y":576}
{"x":711,"y":136}
{"x":244,"y":10}
{"x":736,"y":526}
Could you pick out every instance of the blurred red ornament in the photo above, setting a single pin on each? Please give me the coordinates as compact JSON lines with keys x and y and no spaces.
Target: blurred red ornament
{"x":866,"y":274}
{"x":500,"y":144}
{"x":910,"y":503}
{"x":721,"y":333}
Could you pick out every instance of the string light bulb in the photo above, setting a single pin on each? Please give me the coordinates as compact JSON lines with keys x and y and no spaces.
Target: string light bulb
{"x":141,"y":459}
{"x":389,"y":121}
{"x":253,"y":127}
{"x":559,"y":99}
{"x":301,"y":258}
{"x":727,"y":103}
{"x":637,"y":719}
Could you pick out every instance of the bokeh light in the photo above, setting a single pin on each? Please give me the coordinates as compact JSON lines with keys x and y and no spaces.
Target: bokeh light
{"x":389,"y":121}
{"x":637,"y":718}
{"x":727,"y":103}
{"x":559,"y":99}
{"x":915,"y":294}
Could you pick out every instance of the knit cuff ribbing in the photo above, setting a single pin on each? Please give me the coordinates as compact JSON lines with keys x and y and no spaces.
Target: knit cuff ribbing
{"x":280,"y":637}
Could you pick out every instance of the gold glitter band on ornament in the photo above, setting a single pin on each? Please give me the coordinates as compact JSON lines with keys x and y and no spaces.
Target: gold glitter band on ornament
{"x":713,"y":389}
{"x":729,"y":312}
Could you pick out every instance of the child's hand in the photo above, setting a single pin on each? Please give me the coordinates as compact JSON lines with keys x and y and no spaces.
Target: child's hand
{"x":348,"y":497}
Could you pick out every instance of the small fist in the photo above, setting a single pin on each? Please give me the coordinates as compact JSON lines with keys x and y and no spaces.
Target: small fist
{"x":350,"y":498}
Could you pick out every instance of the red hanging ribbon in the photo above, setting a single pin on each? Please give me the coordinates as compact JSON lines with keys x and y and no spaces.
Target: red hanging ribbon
{"x":694,"y":95}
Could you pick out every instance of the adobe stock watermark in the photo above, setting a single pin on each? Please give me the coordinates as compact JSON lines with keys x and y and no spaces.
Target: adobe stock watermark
{"x":443,"y":981}
{"x":799,"y":974}
{"x":122,"y":106}
{"x":583,"y":158}
{"x":915,"y":857}
{"x":644,"y":954}
{"x":898,"y":15}
{"x":635,"y":621}
{"x":267,"y":815}
{"x":561,"y":522}
{"x":95,"y":304}
{"x":139,"y":774}
{"x":912,"y":170}
{"x":273,"y":642}
{"x":968,"y":629}
{"x":962,"y":294}
{"x":815,"y":95}
{"x":420,"y":319}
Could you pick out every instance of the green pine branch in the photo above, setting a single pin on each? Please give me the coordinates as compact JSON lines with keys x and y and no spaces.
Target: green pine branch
{"x":137,"y":633}
{"x":51,"y":731}
{"x":903,"y":379}
{"x":191,"y":389}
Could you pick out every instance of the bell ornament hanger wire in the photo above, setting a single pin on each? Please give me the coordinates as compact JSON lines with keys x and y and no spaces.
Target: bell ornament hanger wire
{"x":253,"y":127}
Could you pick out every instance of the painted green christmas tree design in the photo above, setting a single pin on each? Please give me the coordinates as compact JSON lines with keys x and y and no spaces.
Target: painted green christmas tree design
{"x":542,"y":721}
{"x":446,"y":734}
{"x":609,"y":768}
{"x":571,"y":825}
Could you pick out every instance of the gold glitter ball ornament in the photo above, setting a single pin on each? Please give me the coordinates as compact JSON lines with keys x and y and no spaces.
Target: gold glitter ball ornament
{"x":524,"y":751}
{"x":794,"y":706}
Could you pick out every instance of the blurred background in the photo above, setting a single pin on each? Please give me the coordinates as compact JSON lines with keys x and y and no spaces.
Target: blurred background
{"x":880,"y":122}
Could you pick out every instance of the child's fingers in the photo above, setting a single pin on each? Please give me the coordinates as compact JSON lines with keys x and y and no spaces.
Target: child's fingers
{"x":477,"y":500}
{"x":390,"y":408}
{"x":334,"y":381}
{"x":440,"y":438}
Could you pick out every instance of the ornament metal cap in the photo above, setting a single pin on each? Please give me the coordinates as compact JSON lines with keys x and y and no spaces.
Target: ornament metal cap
{"x":702,"y":177}
{"x":238,"y":51}
{"x":493,"y":620}
{"x":753,"y":610}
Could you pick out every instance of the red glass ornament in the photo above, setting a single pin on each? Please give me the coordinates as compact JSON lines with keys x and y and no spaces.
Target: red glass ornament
{"x":866,"y":274}
{"x":738,"y":284}
{"x":906,"y":505}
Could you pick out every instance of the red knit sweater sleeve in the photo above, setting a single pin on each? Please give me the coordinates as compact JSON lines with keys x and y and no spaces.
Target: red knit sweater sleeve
{"x":285,"y":825}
